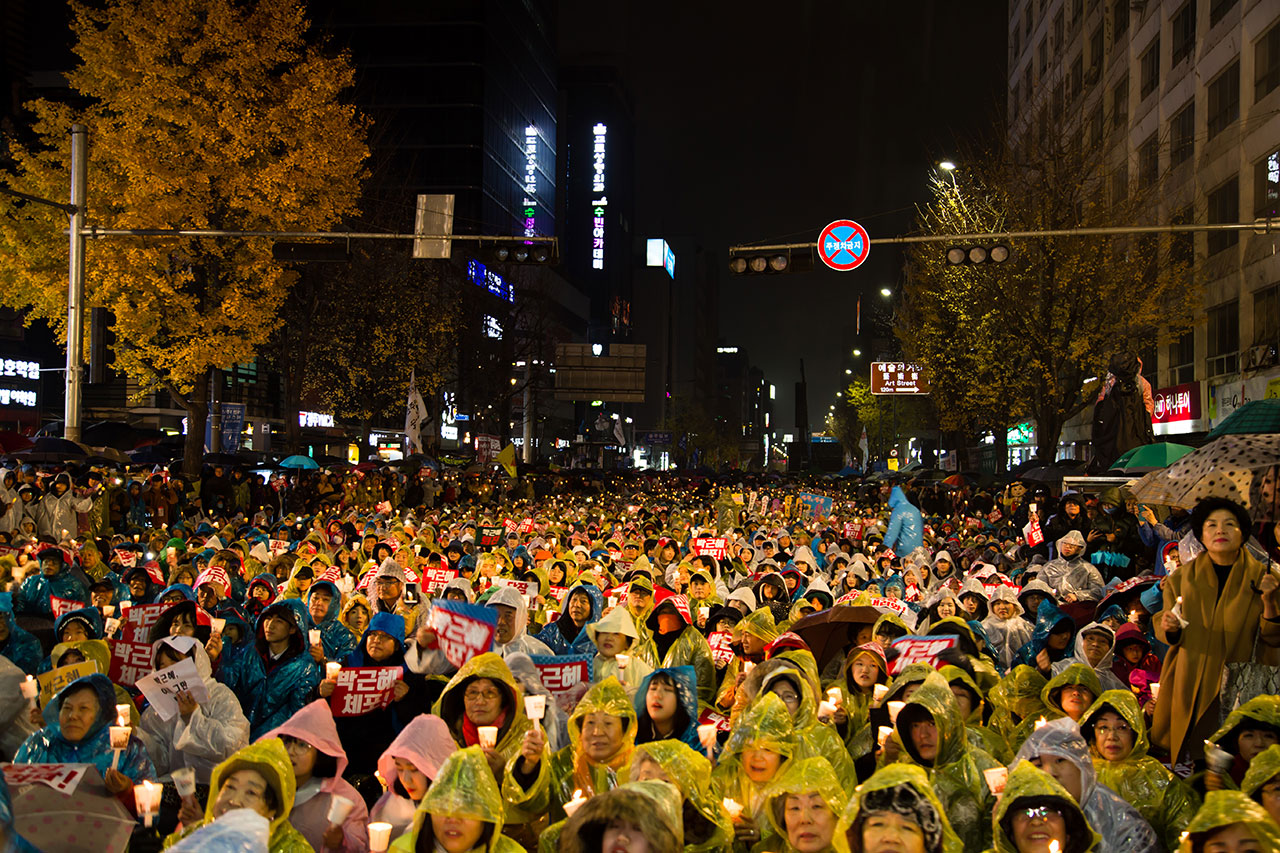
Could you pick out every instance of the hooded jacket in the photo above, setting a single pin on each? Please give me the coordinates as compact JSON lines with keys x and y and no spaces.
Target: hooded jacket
{"x":291,"y":678}
{"x":269,"y":759}
{"x":56,"y":516}
{"x":32,"y":598}
{"x":780,"y":604}
{"x":21,"y":646}
{"x":520,"y":639}
{"x":1028,"y":785}
{"x":906,"y":525}
{"x":1223,"y":808}
{"x":707,"y":826}
{"x":1048,"y":619}
{"x":1148,"y":664}
{"x":1007,"y":636}
{"x":690,"y":647}
{"x":314,"y":725}
{"x":1075,"y":575}
{"x":687,"y":697}
{"x":652,"y":806}
{"x":239,"y":666}
{"x":766,"y":724}
{"x":1121,"y":828}
{"x":426,"y":744}
{"x":801,"y":777}
{"x":619,"y":621}
{"x":553,"y":634}
{"x":10,"y":501}
{"x":215,"y":730}
{"x":450,"y":708}
{"x":956,"y":770}
{"x":1106,"y":678}
{"x":49,"y":746}
{"x":334,"y":636}
{"x":464,"y":788}
{"x":1165,"y":800}
{"x":895,"y":786}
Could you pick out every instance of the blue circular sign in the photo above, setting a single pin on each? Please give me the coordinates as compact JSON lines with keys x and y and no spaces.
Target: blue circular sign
{"x":844,"y":245}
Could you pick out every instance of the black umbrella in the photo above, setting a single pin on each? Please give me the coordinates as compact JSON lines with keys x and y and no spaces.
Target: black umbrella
{"x":829,"y":632}
{"x":47,"y":448}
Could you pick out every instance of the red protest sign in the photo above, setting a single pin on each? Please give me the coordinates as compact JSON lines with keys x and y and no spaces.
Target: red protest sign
{"x":434,"y":578}
{"x":127,"y":557}
{"x":131,"y":651}
{"x":913,"y":649}
{"x":490,"y":536}
{"x":525,"y":588}
{"x":714,"y":547}
{"x":63,"y":605}
{"x":526,"y":526}
{"x":709,"y":717}
{"x":463,"y":630}
{"x":721,"y":650}
{"x":558,"y":593}
{"x":278,"y":546}
{"x":1033,"y":533}
{"x":510,"y":525}
{"x":62,"y":778}
{"x":567,"y":677}
{"x":330,"y":573}
{"x":363,"y":689}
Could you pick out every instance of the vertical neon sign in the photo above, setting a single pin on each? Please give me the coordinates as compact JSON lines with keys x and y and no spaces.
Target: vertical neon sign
{"x":530,"y":181}
{"x":598,"y":204}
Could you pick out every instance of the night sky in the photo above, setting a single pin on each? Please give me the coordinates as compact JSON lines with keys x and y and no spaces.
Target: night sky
{"x":762,"y":121}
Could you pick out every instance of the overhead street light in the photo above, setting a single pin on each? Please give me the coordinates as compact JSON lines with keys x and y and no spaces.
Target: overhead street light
{"x":886,"y":292}
{"x":947,"y":166}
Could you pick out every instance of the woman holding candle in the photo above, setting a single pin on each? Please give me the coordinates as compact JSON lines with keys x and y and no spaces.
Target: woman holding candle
{"x":759,"y":748}
{"x":583,"y":605}
{"x":1246,"y":732}
{"x":1231,"y":603}
{"x":707,"y":825}
{"x":311,"y":740}
{"x":485,"y":693}
{"x":258,"y":777}
{"x":1117,"y":732}
{"x":461,"y":812}
{"x":667,"y":707}
{"x":408,"y":767}
{"x":1037,"y":815}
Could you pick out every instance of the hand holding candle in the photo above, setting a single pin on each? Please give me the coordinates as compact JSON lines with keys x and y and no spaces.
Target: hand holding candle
{"x":379,"y":837}
{"x":574,"y":804}
{"x":146,"y":797}
{"x":895,"y":708}
{"x":488,"y":736}
{"x":331,"y":670}
{"x":535,"y":708}
{"x":707,"y":737}
{"x":339,"y":808}
{"x":879,"y":691}
{"x":30,"y":690}
{"x":733,"y":808}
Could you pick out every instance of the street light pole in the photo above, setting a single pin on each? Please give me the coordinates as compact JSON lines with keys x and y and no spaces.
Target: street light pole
{"x":75,"y":281}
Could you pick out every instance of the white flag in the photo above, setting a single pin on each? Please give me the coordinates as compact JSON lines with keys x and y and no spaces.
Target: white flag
{"x":415,"y":411}
{"x":617,"y":433}
{"x":863,"y":446}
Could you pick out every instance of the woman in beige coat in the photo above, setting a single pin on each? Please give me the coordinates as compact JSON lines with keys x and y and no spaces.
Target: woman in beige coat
{"x":1229,"y":600}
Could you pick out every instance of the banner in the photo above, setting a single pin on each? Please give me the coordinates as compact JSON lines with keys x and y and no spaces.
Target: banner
{"x":721,"y":652}
{"x":463,"y":630}
{"x":131,"y":651}
{"x":526,"y":526}
{"x":707,"y":546}
{"x":815,"y":505}
{"x":63,"y":605}
{"x":410,"y":576}
{"x":567,"y":677}
{"x":434,"y":578}
{"x":63,"y":778}
{"x":525,"y":588}
{"x":54,"y":680}
{"x":913,"y":649}
{"x":362,"y":689}
{"x":490,"y":536}
{"x":415,"y":412}
{"x":163,"y":686}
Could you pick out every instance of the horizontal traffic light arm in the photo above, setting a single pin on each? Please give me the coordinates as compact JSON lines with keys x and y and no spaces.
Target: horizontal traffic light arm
{"x":97,"y":231}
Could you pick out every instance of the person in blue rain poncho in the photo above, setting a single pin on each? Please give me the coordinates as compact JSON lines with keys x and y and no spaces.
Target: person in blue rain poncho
{"x":583,"y":604}
{"x":54,"y":578}
{"x":324,"y":602}
{"x":906,"y":525}
{"x":16,"y":643}
{"x":291,"y":674}
{"x":238,"y":666}
{"x":1051,"y":639}
{"x":667,"y":707}
{"x":75,"y":626}
{"x":76,"y":732}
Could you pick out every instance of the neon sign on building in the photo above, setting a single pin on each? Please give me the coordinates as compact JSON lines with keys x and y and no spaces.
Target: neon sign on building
{"x":598,"y":204}
{"x":530,"y":181}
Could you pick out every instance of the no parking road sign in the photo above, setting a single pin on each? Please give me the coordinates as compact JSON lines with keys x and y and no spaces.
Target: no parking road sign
{"x":844,"y":245}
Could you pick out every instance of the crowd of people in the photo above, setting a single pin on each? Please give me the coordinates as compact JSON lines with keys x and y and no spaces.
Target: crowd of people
{"x":772,"y":665}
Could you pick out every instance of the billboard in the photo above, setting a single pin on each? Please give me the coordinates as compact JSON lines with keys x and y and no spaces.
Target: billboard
{"x":898,"y":377}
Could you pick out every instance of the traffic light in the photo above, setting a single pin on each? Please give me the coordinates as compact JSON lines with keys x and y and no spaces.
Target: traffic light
{"x":755,"y":262}
{"x":541,"y":254}
{"x":299,"y":253}
{"x":975,"y":255}
{"x":101,"y":342}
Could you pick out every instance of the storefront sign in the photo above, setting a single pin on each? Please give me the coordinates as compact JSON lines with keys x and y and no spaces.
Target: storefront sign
{"x":1177,"y":404}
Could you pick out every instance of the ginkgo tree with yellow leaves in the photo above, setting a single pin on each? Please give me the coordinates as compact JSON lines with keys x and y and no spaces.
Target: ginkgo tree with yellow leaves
{"x":202,"y":114}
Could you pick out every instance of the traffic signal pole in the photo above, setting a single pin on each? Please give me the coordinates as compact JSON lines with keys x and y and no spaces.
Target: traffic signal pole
{"x":75,"y":281}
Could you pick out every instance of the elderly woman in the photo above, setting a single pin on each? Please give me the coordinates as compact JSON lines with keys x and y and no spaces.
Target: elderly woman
{"x":897,"y":810}
{"x":1231,"y":604}
{"x":1230,"y":822}
{"x":803,"y":807}
{"x":707,"y":826}
{"x":461,"y":812}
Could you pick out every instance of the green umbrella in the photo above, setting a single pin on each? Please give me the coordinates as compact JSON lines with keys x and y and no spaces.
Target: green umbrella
{"x":1254,"y":417}
{"x":1162,"y":454}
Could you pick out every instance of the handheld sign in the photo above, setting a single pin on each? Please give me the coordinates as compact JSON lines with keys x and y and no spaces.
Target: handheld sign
{"x":362,"y":689}
{"x":463,"y":630}
{"x":163,"y":686}
{"x":567,"y":677}
{"x":914,"y":649}
{"x":131,"y":650}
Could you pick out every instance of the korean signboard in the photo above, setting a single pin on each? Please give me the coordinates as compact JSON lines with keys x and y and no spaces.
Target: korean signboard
{"x":1177,"y":404}
{"x":898,"y":377}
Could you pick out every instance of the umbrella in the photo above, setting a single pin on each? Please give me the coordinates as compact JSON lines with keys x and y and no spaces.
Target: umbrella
{"x":829,"y":632}
{"x":1240,"y":467}
{"x":1126,"y":591}
{"x":1149,"y":457}
{"x":153,"y":454}
{"x":223,"y":459}
{"x":297,"y":461}
{"x":12,"y":442}
{"x":109,"y":454}
{"x":50,"y":449}
{"x":957,"y":480}
{"x":88,"y":819}
{"x":1255,"y":416}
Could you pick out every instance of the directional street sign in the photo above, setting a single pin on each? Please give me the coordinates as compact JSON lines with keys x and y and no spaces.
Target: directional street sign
{"x":844,"y":245}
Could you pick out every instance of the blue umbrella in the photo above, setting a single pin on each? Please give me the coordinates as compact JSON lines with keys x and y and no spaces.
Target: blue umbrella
{"x":299,"y":462}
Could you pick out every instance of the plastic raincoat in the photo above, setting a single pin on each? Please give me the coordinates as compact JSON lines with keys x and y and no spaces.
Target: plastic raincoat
{"x":801,"y":777}
{"x":1014,"y":699}
{"x":689,"y":648}
{"x":520,"y":640}
{"x":1165,"y":800}
{"x":686,"y":693}
{"x":99,"y":653}
{"x":268,"y":758}
{"x":449,"y":707}
{"x":1106,"y":677}
{"x":215,"y":730}
{"x":977,"y":734}
{"x":314,"y":725}
{"x":707,"y":826}
{"x":57,"y":512}
{"x":1048,"y":617}
{"x":956,"y":770}
{"x":1264,"y":709}
{"x":239,"y":666}
{"x":356,"y":599}
{"x":568,"y":769}
{"x":653,"y":806}
{"x":895,"y":784}
{"x":426,"y":744}
{"x":336,"y":639}
{"x":1223,"y":808}
{"x":32,"y":598}
{"x":619,"y":621}
{"x":1121,"y":827}
{"x":1029,"y":785}
{"x":20,"y":646}
{"x":553,"y":634}
{"x":1007,"y":636}
{"x":291,"y":678}
{"x":906,"y":525}
{"x":766,"y":724}
{"x":1264,"y":767}
{"x":48,"y":746}
{"x":813,"y":738}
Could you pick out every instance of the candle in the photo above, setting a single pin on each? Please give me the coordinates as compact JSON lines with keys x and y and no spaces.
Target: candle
{"x":147,"y":798}
{"x":1053,"y":846}
{"x":123,"y":715}
{"x":314,"y":636}
{"x":895,"y":708}
{"x":704,"y":611}
{"x":488,"y":736}
{"x":331,"y":669}
{"x":111,"y":626}
{"x":883,"y":733}
{"x":747,"y":666}
{"x":733,"y":808}
{"x":379,"y":837}
{"x":833,"y":696}
{"x":996,"y":778}
{"x":184,"y":779}
{"x":707,"y":737}
{"x":613,"y":601}
{"x":879,"y":691}
{"x":535,"y":708}
{"x":622,"y":660}
{"x":339,"y":808}
{"x":216,"y":625}
{"x":1041,"y":723}
{"x":1218,"y":759}
{"x":574,"y":804}
{"x":108,"y":610}
{"x":826,"y":710}
{"x":125,"y":605}
{"x":30,"y":690}
{"x":119,"y":737}
{"x":1155,"y":691}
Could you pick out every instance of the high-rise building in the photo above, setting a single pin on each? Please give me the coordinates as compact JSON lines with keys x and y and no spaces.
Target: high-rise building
{"x":1186,"y":92}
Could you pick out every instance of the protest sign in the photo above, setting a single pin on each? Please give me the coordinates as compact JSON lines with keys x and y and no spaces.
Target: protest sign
{"x":526,"y":526}
{"x":434,"y":578}
{"x":567,"y":677}
{"x":61,"y":606}
{"x":62,"y":778}
{"x":330,"y":574}
{"x":362,"y":689}
{"x":131,"y":651}
{"x":163,"y":686}
{"x":814,"y":505}
{"x":54,"y":680}
{"x":127,"y":557}
{"x":490,"y":536}
{"x":525,"y":588}
{"x":914,"y":649}
{"x":463,"y":630}
{"x":721,"y":653}
{"x":712,"y":547}
{"x":709,"y":717}
{"x":278,"y":546}
{"x":1033,"y":534}
{"x":558,"y":593}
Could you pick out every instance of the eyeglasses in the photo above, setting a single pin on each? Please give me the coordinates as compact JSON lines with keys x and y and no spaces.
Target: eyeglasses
{"x":1117,"y":729}
{"x":481,"y":695}
{"x":1041,"y":813}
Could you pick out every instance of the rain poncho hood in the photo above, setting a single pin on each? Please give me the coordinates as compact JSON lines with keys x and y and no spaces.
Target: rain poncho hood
{"x":582,"y":643}
{"x":1263,"y":711}
{"x":1077,"y":673}
{"x":425,"y":742}
{"x":802,"y":777}
{"x":690,"y":770}
{"x":686,"y":684}
{"x":1029,"y":785}
{"x":1048,"y":618}
{"x":1223,"y":808}
{"x":22,"y":647}
{"x":1264,"y":767}
{"x":269,"y":758}
{"x":450,"y":707}
{"x":314,"y":724}
{"x":901,"y":786}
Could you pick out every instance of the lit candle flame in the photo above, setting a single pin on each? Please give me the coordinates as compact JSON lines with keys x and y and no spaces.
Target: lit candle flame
{"x":1054,"y":847}
{"x":1041,"y":723}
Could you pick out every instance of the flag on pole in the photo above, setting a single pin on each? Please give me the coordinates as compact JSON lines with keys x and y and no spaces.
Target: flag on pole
{"x":415,"y":411}
{"x":617,"y":433}
{"x":507,"y":459}
{"x":864,"y":446}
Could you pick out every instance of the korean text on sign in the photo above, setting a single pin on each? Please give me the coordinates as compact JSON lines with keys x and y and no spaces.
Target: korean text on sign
{"x":914,"y":649}
{"x":463,"y":630}
{"x":708,"y":546}
{"x":62,"y":778}
{"x":363,"y":689}
{"x":163,"y":686}
{"x":721,"y":647}
{"x":434,"y":579}
{"x":566,"y":677}
{"x":131,"y":652}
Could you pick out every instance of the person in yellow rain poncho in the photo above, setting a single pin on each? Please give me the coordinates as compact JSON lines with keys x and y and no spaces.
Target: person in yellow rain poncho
{"x":258,"y":777}
{"x":933,"y":736}
{"x":602,"y":733}
{"x":754,"y":631}
{"x":1117,"y":734}
{"x":1262,"y":782}
{"x":759,"y":748}
{"x":802,"y":807}
{"x":484,"y":693}
{"x":1247,"y":731}
{"x":707,"y":826}
{"x":1015,"y":699}
{"x":1035,"y":811}
{"x":634,"y":816}
{"x":462,"y":811}
{"x":1230,"y":822}
{"x":1067,"y":694}
{"x":864,"y":668}
{"x":615,"y":634}
{"x":896,"y":809}
{"x":970,"y":700}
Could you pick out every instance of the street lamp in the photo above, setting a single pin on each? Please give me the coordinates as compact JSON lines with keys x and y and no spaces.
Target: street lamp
{"x":886,"y":292}
{"x":947,"y":166}
{"x":857,"y":353}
